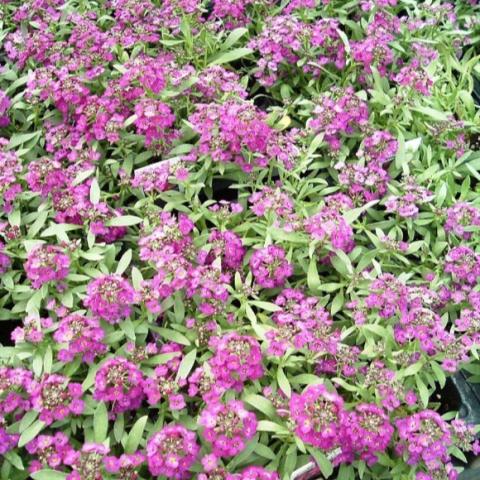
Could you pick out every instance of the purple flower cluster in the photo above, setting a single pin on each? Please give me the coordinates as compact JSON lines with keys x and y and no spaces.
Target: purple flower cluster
{"x":269,"y":266}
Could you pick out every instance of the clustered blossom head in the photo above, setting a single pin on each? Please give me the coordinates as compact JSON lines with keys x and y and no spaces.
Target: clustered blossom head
{"x":120,"y":382}
{"x":227,"y":246}
{"x":388,"y":296}
{"x":459,"y":216}
{"x":301,"y":322}
{"x":15,"y":384}
{"x":215,"y":81}
{"x":368,"y":431}
{"x":424,"y":437}
{"x":364,"y":183}
{"x":55,"y":398}
{"x":227,"y":427}
{"x":46,"y":263}
{"x":82,"y":336}
{"x":318,"y":416}
{"x":463,"y":264}
{"x":237,"y":359}
{"x":339,"y":111}
{"x":269,"y":266}
{"x":253,"y":473}
{"x":110,"y":297}
{"x":126,"y":466}
{"x":87,"y":463}
{"x":330,"y":228}
{"x":171,"y":452}
{"x":49,"y":451}
{"x":379,"y":147}
{"x":163,"y":384}
{"x":407,"y":204}
{"x":237,"y":131}
{"x":32,"y":330}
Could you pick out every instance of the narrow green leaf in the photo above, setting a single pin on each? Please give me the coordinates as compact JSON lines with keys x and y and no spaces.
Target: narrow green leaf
{"x":48,"y":475}
{"x":100,"y":423}
{"x":230,"y":56}
{"x":186,"y":364}
{"x":135,"y":435}
{"x":94,"y":192}
{"x":283,"y":382}
{"x":30,"y":433}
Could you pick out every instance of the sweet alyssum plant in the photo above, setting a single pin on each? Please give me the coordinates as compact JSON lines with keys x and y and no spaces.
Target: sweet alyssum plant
{"x":237,"y":236}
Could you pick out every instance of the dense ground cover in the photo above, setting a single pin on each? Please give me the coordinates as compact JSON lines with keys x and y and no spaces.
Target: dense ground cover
{"x":236,"y":236}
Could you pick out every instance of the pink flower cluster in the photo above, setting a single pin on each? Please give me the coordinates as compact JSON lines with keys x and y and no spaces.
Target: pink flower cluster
{"x":110,"y":297}
{"x":120,"y":382}
{"x":80,"y":335}
{"x":46,"y":263}
{"x":237,"y":131}
{"x":339,"y":111}
{"x":52,"y":451}
{"x":269,"y":266}
{"x":459,"y":216}
{"x":407,"y":204}
{"x":301,"y":323}
{"x":318,"y":416}
{"x":237,"y":359}
{"x":55,"y":398}
{"x":227,"y":427}
{"x":171,"y":452}
{"x":331,"y":229}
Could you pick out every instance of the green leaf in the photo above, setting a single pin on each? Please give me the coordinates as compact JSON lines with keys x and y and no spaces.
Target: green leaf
{"x":48,"y":475}
{"x":313,"y":279}
{"x":94,"y":192}
{"x":433,"y":113}
{"x":423,"y":391}
{"x":261,"y":404}
{"x":31,"y":432}
{"x":283,"y":382}
{"x":100,"y":423}
{"x":230,"y":56}
{"x":267,"y":426}
{"x":233,"y":37}
{"x":14,"y":459}
{"x":21,"y":138}
{"x":124,"y":262}
{"x":173,"y":336}
{"x":186,"y":364}
{"x":135,"y":435}
{"x":124,"y":221}
{"x":412,"y":369}
{"x":322,"y":461}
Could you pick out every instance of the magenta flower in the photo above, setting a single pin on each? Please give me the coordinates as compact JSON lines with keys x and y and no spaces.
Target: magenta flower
{"x":236,"y":360}
{"x":124,"y":466}
{"x":56,"y":398}
{"x":46,"y":263}
{"x":269,"y":266}
{"x":82,"y":336}
{"x":110,"y":297}
{"x":171,"y":452}
{"x":424,"y":436}
{"x":87,"y":463}
{"x":228,"y":427}
{"x":329,"y":227}
{"x":120,"y":382}
{"x":319,"y":416}
{"x":368,"y":431}
{"x":253,"y":473}
{"x":459,"y":216}
{"x":51,"y":451}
